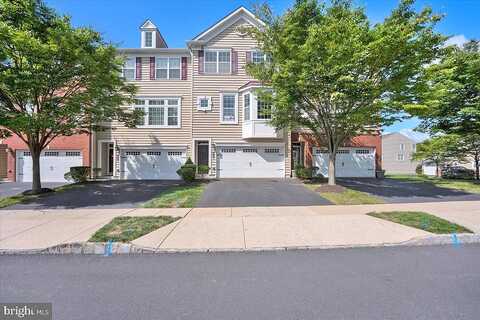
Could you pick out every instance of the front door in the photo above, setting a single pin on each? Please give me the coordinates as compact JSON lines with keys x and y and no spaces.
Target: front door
{"x":202,"y":153}
{"x":297,"y":155}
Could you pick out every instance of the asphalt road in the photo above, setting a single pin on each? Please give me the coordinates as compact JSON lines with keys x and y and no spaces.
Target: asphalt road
{"x":371,"y":283}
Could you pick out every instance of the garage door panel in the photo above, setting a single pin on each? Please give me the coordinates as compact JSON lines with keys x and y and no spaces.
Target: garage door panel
{"x":152,"y":164}
{"x":351,"y":162}
{"x":53,"y":165}
{"x":251,"y":162}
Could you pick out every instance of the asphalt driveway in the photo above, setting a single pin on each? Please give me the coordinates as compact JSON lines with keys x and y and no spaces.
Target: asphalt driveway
{"x":397,"y":191}
{"x":258,"y":193}
{"x":100,"y":195}
{"x":8,"y":189}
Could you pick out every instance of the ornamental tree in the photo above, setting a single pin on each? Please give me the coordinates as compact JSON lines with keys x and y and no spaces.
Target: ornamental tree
{"x":55,"y":79}
{"x":440,"y":150}
{"x":335,"y":74}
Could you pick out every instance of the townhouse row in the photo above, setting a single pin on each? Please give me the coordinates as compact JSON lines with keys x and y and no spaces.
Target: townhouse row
{"x":198,"y":102}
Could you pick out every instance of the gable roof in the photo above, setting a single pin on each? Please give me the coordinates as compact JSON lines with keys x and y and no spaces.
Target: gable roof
{"x":415,"y":136}
{"x":227,"y":21}
{"x":148,"y":24}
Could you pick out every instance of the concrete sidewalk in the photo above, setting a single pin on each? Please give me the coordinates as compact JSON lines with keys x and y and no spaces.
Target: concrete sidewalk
{"x":234,"y":228}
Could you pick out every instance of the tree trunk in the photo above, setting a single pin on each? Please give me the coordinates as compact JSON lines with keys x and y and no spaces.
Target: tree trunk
{"x":477,"y":167}
{"x":36,"y":183}
{"x":437,"y":169}
{"x":331,"y":168}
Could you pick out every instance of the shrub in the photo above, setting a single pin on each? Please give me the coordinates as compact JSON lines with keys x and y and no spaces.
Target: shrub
{"x":419,"y":169}
{"x":203,"y":169}
{"x":78,"y":174}
{"x":187,"y":171}
{"x":302,"y":172}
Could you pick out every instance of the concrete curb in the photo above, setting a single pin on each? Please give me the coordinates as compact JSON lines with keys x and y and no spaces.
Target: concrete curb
{"x":117,"y":248}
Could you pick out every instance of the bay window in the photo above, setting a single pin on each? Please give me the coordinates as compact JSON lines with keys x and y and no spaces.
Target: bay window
{"x":246,"y":107}
{"x":264,"y":109}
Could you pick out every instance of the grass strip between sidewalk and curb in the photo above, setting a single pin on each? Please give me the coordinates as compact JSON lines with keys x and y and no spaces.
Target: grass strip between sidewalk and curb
{"x":421,"y":220}
{"x":126,"y":229}
{"x":183,"y":196}
{"x":471,"y":186}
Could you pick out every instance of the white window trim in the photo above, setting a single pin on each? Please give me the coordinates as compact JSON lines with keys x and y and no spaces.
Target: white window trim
{"x":249,"y":107}
{"x":134,"y":69}
{"x":217,"y":50}
{"x":256,"y":51}
{"x":146,"y":105}
{"x":144,"y":38}
{"x":236,"y":107}
{"x":168,"y":68}
{"x":209,"y":108}
{"x":398,"y":157}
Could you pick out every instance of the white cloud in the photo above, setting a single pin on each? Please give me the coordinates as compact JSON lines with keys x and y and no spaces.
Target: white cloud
{"x":458,"y":40}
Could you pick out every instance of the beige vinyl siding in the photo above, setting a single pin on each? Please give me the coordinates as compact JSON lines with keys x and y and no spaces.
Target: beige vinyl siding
{"x":391,"y":149}
{"x":207,"y":124}
{"x":156,"y":136}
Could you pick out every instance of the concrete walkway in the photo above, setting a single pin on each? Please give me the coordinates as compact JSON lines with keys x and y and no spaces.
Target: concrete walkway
{"x":234,"y":228}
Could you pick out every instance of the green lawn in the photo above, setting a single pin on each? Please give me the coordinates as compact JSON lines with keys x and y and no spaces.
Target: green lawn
{"x":184,"y":196}
{"x":421,"y":220}
{"x":125,"y":229}
{"x":471,"y":186}
{"x":349,"y":196}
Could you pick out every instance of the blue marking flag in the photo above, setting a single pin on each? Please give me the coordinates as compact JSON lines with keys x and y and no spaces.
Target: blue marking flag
{"x":455,"y":240}
{"x":108,"y":249}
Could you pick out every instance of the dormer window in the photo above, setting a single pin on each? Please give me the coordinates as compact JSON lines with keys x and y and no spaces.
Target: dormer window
{"x":148,"y":39}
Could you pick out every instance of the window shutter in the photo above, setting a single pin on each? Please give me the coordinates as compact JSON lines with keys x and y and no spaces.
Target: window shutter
{"x":234,"y":62}
{"x":184,"y":68}
{"x":248,"y":57}
{"x":200,"y":61}
{"x":138,"y":68}
{"x":152,"y":68}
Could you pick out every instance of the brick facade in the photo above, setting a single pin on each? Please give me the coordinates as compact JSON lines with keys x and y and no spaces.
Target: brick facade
{"x":308,"y":141}
{"x":76,"y":142}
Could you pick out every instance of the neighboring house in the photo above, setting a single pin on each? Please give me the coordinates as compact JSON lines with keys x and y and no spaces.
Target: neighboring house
{"x":199,"y":102}
{"x":397,"y":151}
{"x":61,"y":154}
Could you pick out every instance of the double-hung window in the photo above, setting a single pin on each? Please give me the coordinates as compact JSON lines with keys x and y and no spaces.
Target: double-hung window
{"x":148,"y":39}
{"x":167,"y":68}
{"x":128,"y":70}
{"x":229,"y":108}
{"x":258,"y":57}
{"x":217,"y":61}
{"x":159,"y":112}
{"x":246,"y":107}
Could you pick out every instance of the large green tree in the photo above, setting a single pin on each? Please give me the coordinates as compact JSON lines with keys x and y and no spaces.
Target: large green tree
{"x":55,"y":79}
{"x":449,"y":92}
{"x":449,"y":99}
{"x":335,"y":74}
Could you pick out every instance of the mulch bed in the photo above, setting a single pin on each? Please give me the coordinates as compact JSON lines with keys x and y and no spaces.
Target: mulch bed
{"x":327,"y":188}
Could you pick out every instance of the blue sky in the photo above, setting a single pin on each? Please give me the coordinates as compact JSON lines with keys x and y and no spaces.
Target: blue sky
{"x":180,"y":20}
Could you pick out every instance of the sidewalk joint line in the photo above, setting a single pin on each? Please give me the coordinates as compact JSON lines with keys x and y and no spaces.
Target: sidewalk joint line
{"x":244,"y":235}
{"x":173,"y":229}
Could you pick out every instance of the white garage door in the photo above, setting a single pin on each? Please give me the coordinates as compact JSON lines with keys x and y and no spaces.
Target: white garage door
{"x":152,"y":164}
{"x":251,"y":162}
{"x":350,"y":162}
{"x":53,"y":165}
